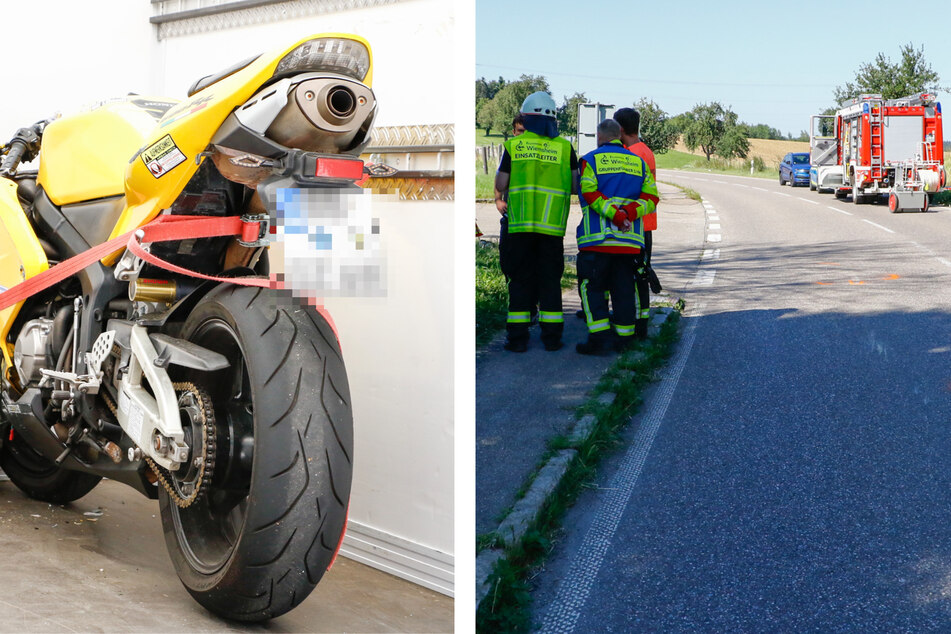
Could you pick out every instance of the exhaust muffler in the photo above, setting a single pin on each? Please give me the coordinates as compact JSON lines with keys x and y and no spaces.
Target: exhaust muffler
{"x":324,"y":115}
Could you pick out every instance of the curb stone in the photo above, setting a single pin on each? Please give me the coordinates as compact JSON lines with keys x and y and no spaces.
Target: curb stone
{"x":526,"y":510}
{"x":485,"y":562}
{"x":607,"y":398}
{"x":516,"y":523}
{"x":582,"y":430}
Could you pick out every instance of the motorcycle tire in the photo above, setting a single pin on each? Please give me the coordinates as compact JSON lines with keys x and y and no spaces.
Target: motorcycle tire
{"x":256,"y":543}
{"x":39,"y":477}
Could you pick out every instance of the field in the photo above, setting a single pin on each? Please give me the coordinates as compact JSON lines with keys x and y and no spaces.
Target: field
{"x":772,"y":152}
{"x":482,"y":139}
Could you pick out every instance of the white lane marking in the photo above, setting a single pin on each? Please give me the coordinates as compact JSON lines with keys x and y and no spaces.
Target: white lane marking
{"x":714,"y":255}
{"x":783,"y":194}
{"x":877,"y":225}
{"x":945,"y":262}
{"x":713,"y":218}
{"x":714,"y":227}
{"x":759,"y":188}
{"x":704,"y":277}
{"x":841,"y":211}
{"x":713,"y":237}
{"x":583,"y":572}
{"x":741,"y":185}
{"x":721,"y":182}
{"x":703,"y":179}
{"x":806,"y":200}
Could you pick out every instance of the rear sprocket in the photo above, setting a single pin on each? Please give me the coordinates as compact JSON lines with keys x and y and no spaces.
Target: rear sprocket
{"x":186,"y":485}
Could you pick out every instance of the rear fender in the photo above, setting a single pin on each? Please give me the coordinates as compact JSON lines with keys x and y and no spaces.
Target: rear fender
{"x":178,"y":312}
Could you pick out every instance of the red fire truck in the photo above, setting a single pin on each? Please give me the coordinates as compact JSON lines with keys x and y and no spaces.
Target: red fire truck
{"x":873,"y":146}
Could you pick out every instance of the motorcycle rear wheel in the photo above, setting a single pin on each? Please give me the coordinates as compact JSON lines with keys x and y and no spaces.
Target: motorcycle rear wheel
{"x":261,"y":537}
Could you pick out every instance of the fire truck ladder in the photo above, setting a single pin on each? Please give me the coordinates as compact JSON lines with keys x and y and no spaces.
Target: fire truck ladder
{"x":876,"y":151}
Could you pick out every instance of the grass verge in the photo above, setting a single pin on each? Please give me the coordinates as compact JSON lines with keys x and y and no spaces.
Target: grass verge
{"x":485,"y":185}
{"x":507,"y":606}
{"x":689,"y":193}
{"x":674,"y":159}
{"x":492,"y":291}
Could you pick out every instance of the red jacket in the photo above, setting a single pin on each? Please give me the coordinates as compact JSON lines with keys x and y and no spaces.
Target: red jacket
{"x":640,"y":148}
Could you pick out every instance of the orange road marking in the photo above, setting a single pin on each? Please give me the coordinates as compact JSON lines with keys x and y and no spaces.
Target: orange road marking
{"x":854,"y":283}
{"x":893,"y":276}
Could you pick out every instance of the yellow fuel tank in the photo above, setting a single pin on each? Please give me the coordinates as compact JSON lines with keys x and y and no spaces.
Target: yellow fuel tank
{"x":21,"y":257}
{"x":85,"y":156}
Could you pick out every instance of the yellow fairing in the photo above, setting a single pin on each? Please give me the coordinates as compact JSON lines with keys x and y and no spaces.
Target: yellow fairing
{"x":85,"y":156}
{"x":190,"y":126}
{"x":21,"y":257}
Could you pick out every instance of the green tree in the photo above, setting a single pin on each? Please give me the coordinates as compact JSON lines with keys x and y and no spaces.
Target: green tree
{"x":568,"y":114}
{"x":508,"y":101}
{"x":714,"y":129}
{"x":761,"y":131}
{"x":910,"y":75}
{"x":656,"y":129}
{"x":487,"y":89}
{"x":484,"y":114}
{"x":678,"y":123}
{"x":733,"y":144}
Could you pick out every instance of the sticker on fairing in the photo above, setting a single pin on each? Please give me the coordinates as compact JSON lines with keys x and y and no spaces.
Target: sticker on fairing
{"x":162,"y":156}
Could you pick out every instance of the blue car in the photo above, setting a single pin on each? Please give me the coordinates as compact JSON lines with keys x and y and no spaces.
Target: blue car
{"x":794,"y":169}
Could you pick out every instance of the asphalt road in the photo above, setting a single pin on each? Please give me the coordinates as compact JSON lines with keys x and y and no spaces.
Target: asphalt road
{"x":100,"y":565}
{"x":792,"y":470}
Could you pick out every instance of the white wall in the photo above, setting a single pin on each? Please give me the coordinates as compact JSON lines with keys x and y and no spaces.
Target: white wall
{"x":65,"y":54}
{"x":399,"y":356}
{"x":411,"y":43}
{"x":398,"y":349}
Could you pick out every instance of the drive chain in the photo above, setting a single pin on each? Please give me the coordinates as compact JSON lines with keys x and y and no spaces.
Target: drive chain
{"x":207,"y":466}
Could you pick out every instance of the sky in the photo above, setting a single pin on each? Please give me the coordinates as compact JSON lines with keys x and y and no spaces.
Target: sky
{"x":772,"y":63}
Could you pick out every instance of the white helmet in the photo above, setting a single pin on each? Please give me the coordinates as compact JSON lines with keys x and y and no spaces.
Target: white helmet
{"x":539,"y":103}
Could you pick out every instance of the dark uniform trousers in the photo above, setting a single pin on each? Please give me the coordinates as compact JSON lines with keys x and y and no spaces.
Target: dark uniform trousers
{"x":641,"y":281}
{"x":534,"y":264}
{"x":614,"y":273}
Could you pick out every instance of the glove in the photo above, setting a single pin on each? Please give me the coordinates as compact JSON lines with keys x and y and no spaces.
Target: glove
{"x":620,"y":217}
{"x":652,"y":280}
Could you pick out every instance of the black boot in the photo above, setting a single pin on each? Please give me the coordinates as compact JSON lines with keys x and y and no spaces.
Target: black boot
{"x":516,"y":345}
{"x":640,"y":329}
{"x":597,"y":344}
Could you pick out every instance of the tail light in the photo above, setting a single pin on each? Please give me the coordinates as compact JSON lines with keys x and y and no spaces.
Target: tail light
{"x":328,"y":55}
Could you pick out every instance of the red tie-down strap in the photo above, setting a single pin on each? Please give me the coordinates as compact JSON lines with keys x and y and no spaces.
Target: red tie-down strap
{"x":162,"y":229}
{"x":169,"y":228}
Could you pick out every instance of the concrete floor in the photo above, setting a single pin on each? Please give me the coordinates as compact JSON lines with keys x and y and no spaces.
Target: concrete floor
{"x":100,"y":565}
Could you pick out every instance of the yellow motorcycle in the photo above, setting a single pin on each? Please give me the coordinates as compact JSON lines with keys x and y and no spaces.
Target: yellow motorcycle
{"x":143,"y":334}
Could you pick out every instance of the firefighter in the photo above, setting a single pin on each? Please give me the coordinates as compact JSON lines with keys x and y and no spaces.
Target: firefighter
{"x":617,"y":191}
{"x":534,"y":184}
{"x":630,"y":120}
{"x":518,"y":127}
